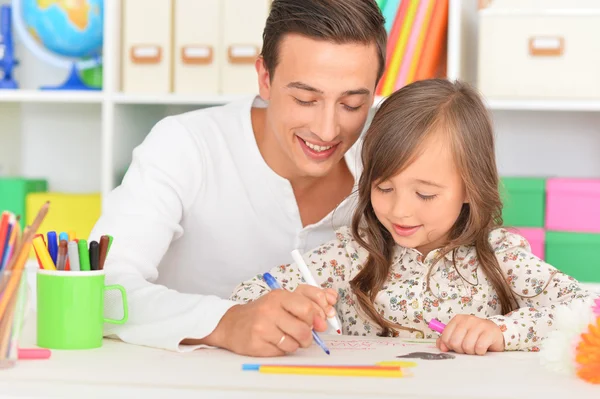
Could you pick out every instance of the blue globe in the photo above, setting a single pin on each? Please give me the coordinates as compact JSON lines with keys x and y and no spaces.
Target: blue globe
{"x":70,"y":28}
{"x":67,"y":34}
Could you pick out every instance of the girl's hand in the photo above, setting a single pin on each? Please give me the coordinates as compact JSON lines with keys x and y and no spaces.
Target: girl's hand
{"x":323,"y":299}
{"x":471,"y":335}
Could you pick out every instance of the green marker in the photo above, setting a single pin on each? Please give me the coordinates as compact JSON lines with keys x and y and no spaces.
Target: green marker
{"x":84,"y":255}
{"x":110,"y":240}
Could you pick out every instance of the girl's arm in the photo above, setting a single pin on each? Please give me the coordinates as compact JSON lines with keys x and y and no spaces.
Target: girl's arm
{"x":329,"y":265}
{"x":538,"y":287}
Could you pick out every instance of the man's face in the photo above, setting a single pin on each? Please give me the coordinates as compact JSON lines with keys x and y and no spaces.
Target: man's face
{"x":319,"y":99}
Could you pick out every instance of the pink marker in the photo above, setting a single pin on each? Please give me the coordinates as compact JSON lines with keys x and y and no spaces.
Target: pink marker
{"x":34,"y":353}
{"x":437,"y":325}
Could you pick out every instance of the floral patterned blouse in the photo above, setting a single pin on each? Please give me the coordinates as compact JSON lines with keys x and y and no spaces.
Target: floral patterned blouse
{"x":463,"y":289}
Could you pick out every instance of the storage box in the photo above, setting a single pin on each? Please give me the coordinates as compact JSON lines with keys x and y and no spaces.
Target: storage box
{"x":523,"y":201}
{"x":68,"y":212}
{"x":197,"y":46}
{"x":147,"y":46}
{"x":242,"y":28}
{"x":573,"y":205}
{"x":536,"y":238}
{"x":13,"y":193}
{"x":539,"y":50}
{"x":576,"y":254}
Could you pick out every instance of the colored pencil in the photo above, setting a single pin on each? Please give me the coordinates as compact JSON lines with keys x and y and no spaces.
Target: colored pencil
{"x":341,"y":371}
{"x":17,"y":262}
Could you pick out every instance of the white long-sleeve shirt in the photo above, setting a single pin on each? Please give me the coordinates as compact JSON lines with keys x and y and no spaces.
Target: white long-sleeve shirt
{"x":198,"y":212}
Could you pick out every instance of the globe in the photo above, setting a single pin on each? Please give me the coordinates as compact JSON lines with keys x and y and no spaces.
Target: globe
{"x":65,"y":33}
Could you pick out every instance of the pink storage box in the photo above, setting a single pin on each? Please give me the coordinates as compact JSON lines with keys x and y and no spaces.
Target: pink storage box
{"x":573,"y":205}
{"x":536,"y":238}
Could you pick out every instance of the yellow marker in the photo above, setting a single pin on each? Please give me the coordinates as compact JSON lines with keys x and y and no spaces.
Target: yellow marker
{"x":72,"y":235}
{"x":43,"y":254}
{"x":332,"y":371}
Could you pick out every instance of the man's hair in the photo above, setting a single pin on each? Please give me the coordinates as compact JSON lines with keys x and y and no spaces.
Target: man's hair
{"x":338,"y":21}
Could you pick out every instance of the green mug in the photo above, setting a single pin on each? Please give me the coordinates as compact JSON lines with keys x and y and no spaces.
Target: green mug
{"x":70,"y":308}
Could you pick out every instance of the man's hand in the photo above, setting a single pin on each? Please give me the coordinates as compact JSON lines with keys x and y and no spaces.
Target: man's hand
{"x":277,"y":323}
{"x":471,"y":335}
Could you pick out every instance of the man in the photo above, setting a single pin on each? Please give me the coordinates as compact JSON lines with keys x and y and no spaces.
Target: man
{"x":215,"y":196}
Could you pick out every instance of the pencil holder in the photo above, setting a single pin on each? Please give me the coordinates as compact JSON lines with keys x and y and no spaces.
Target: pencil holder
{"x":70,"y":308}
{"x":13,"y":298}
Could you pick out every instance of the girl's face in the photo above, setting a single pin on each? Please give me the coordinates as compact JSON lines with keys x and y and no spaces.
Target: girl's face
{"x":419,"y":205}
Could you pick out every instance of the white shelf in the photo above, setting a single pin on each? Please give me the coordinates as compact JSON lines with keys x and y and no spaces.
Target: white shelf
{"x":533,"y":105}
{"x":120,"y":121}
{"x":167,"y":98}
{"x":79,"y":97}
{"x":178,"y":99}
{"x":543,"y":105}
{"x":113,"y":127}
{"x":39,"y":96}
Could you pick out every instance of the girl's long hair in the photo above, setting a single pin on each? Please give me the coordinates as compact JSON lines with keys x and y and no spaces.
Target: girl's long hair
{"x":391,"y":143}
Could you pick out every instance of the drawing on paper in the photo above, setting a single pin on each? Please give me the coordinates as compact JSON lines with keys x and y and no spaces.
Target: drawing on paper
{"x":427,"y":356}
{"x":363,"y":344}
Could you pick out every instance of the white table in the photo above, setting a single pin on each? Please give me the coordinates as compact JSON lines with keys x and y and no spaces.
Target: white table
{"x":122,"y":370}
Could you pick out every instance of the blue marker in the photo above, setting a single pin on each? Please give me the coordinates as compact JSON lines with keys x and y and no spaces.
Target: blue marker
{"x":63,"y":236}
{"x":274,"y":285}
{"x":52,"y":245}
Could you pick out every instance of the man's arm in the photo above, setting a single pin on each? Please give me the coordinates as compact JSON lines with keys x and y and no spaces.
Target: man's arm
{"x":143,"y":215}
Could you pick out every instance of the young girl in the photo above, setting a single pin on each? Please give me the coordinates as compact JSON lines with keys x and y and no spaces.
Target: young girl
{"x":426,"y":240}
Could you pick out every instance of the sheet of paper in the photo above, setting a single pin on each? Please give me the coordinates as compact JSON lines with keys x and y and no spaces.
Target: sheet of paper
{"x":360,"y":350}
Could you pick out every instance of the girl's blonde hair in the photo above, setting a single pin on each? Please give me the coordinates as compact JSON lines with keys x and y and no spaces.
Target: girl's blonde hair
{"x":399,"y":127}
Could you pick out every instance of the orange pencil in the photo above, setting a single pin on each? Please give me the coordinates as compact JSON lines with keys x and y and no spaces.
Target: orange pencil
{"x":5,"y":326}
{"x":17,"y":263}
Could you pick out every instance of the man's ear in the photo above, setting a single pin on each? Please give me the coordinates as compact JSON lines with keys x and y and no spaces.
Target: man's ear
{"x":264,"y":79}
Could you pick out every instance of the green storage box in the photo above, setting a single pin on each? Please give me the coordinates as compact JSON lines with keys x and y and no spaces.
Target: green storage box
{"x":576,"y":254}
{"x":14,"y":190}
{"x":524,"y":200}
